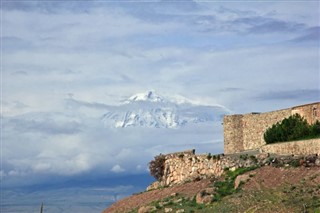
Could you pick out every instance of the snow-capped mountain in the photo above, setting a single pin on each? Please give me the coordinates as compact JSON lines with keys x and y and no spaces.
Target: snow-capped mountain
{"x":152,"y":110}
{"x":149,"y":96}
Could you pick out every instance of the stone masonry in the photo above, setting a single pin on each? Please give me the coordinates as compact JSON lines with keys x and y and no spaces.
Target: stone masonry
{"x":245,"y":132}
{"x":303,"y":147}
{"x":187,"y":166}
{"x":182,"y":167}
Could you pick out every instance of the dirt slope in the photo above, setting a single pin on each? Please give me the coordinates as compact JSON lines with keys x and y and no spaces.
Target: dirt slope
{"x":268,"y":189}
{"x":134,"y":201}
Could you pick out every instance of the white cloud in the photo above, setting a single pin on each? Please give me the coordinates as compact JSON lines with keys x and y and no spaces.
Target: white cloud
{"x":117,"y":169}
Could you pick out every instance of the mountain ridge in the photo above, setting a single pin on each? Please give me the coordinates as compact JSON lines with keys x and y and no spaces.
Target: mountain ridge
{"x":151,"y":110}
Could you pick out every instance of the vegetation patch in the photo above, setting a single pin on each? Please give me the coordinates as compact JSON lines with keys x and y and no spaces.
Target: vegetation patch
{"x":292,"y":128}
{"x":175,"y":203}
{"x":226,"y":187}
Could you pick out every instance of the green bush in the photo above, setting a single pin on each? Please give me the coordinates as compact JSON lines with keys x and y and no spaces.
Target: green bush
{"x":292,"y":128}
{"x":315,"y":129}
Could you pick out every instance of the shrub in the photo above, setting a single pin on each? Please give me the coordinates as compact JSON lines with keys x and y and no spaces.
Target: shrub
{"x":158,"y":206}
{"x":295,"y":163}
{"x":315,"y":129}
{"x":156,"y":166}
{"x":292,"y":128}
{"x":209,"y":156}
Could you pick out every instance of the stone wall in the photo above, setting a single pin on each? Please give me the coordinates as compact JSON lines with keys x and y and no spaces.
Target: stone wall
{"x":233,"y":129}
{"x":304,"y":147}
{"x":311,"y":112}
{"x":245,"y":132}
{"x":187,"y":166}
{"x":255,"y":125}
{"x":182,"y":167}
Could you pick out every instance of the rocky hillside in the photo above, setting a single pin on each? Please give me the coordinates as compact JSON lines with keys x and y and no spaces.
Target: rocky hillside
{"x":294,"y":188}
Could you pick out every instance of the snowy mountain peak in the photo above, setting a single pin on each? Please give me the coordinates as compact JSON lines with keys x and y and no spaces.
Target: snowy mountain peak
{"x":150,"y":96}
{"x":151,"y":110}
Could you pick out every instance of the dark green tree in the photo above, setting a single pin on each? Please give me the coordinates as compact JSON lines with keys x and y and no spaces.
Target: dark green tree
{"x":315,"y":129}
{"x":292,"y":128}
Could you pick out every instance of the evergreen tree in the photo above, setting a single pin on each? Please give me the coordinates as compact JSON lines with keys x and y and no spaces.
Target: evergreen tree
{"x":292,"y":128}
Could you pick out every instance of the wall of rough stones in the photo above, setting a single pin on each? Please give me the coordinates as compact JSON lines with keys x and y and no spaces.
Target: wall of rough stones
{"x":303,"y":147}
{"x":245,"y":132}
{"x":233,"y":133}
{"x":187,"y":166}
{"x":255,"y":125}
{"x":311,"y":112}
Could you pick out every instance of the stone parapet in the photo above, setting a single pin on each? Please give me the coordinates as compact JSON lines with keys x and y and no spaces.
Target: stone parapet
{"x":303,"y":147}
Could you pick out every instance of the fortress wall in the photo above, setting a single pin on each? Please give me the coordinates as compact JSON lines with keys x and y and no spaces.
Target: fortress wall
{"x":245,"y":132}
{"x":303,"y":147}
{"x":311,"y":112}
{"x":233,"y":133}
{"x":255,"y":125}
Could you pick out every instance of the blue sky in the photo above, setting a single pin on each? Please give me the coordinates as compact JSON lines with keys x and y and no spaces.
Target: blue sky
{"x":244,"y":55}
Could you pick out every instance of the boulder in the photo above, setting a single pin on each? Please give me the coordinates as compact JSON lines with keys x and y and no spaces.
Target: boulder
{"x":262,"y":156}
{"x":147,"y":209}
{"x":168,"y":210}
{"x":204,"y":199}
{"x":242,"y":178}
{"x":154,"y":185}
{"x":205,"y":196}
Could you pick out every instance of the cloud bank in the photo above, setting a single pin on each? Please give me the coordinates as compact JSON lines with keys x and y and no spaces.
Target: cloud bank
{"x":62,"y":62}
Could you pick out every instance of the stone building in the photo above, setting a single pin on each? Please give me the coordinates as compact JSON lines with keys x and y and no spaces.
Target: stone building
{"x":245,"y":132}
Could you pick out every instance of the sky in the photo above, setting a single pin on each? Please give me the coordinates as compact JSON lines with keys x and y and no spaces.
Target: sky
{"x":243,"y":55}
